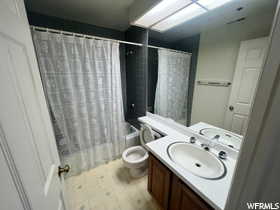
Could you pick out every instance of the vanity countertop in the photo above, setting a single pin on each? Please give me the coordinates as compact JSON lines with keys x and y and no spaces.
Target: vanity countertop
{"x":214,"y":192}
{"x":198,"y":126}
{"x":225,"y":139}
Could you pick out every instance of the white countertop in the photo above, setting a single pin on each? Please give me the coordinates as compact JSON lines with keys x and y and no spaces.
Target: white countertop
{"x":214,"y":192}
{"x":198,"y":126}
{"x":201,"y":125}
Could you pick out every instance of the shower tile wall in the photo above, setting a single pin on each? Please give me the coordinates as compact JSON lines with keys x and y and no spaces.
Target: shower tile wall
{"x":136,"y":74}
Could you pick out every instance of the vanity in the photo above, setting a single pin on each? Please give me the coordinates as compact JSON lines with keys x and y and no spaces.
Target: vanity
{"x":184,"y":168}
{"x":169,"y":191}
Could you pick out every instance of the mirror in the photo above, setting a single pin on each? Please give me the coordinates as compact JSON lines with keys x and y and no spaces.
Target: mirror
{"x":206,"y":69}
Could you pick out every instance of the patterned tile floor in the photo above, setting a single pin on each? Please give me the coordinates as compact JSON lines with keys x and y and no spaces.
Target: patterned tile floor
{"x":109,"y":187}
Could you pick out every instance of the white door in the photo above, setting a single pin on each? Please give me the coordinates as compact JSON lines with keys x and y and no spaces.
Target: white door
{"x":248,"y":69}
{"x":28,"y":156}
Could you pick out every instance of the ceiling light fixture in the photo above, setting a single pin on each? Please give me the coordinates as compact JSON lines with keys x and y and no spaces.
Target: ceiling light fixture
{"x":184,"y":15}
{"x":162,"y":10}
{"x":170,"y":13}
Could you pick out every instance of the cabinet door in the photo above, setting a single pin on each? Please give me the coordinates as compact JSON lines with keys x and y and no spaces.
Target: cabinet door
{"x":159,"y":182}
{"x":183,"y":198}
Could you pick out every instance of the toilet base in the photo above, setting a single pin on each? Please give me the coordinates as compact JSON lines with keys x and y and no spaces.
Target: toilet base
{"x":138,"y":172}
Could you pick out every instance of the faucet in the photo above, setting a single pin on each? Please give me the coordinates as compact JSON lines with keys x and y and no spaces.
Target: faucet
{"x":222,"y":155}
{"x":216,"y":137}
{"x":192,"y":140}
{"x":205,"y":146}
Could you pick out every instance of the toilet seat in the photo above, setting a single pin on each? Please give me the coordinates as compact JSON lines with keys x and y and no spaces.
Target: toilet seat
{"x":135,"y":157}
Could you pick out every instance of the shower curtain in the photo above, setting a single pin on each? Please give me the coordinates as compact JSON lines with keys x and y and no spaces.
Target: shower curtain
{"x":82,"y":83}
{"x":172,"y":85}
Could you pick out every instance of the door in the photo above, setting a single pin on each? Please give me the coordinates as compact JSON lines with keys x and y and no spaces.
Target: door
{"x":159,"y":181}
{"x":183,"y":198}
{"x":248,"y":69}
{"x":28,"y":155}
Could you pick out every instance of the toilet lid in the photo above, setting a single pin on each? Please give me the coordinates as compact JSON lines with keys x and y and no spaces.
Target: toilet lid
{"x":146,"y":134}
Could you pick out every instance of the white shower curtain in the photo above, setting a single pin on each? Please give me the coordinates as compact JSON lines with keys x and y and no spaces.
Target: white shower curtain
{"x":82,"y":81}
{"x":172,"y":85}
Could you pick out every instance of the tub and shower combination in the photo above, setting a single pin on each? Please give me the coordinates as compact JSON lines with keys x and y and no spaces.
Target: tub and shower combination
{"x":83,"y":87}
{"x":132,"y":136}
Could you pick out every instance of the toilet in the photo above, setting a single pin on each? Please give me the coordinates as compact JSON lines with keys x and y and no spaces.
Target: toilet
{"x":136,"y":158}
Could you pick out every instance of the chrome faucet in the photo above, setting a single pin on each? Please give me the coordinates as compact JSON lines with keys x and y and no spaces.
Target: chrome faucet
{"x":205,"y":147}
{"x":192,"y":139}
{"x":216,"y":137}
{"x":222,"y":155}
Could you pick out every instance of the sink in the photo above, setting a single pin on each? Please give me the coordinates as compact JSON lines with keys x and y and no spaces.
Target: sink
{"x":222,"y":136}
{"x":196,"y":160}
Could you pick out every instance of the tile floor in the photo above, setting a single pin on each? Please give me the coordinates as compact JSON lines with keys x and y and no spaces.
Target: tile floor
{"x":109,"y":187}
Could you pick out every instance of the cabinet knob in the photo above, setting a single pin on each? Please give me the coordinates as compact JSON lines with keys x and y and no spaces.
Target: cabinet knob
{"x":64,"y":169}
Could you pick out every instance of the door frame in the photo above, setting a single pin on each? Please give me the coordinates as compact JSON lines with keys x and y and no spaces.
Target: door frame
{"x":262,"y":134}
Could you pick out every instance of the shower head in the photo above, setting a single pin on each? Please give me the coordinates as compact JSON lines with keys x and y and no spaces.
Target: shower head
{"x":130,"y":52}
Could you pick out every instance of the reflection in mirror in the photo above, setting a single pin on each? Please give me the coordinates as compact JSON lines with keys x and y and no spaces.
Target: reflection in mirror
{"x":171,"y":89}
{"x":204,"y":72}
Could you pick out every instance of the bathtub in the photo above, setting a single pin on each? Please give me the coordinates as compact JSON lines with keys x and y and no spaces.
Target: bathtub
{"x":132,"y":136}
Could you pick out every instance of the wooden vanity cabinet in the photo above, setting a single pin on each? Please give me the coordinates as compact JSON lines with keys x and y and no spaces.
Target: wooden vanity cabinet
{"x":159,"y":179}
{"x":169,"y":191}
{"x":183,"y":198}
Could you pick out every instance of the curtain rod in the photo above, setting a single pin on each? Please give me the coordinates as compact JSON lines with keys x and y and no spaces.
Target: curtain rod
{"x":163,"y":48}
{"x":81,"y":35}
{"x":38,"y":28}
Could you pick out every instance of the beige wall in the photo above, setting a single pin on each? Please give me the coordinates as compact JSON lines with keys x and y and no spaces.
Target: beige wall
{"x":218,"y":52}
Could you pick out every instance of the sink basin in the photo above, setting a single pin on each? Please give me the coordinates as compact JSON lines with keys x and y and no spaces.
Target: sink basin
{"x":196,"y":160}
{"x":222,"y":136}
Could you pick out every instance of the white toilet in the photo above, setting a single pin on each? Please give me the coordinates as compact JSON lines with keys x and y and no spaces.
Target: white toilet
{"x":136,"y":158}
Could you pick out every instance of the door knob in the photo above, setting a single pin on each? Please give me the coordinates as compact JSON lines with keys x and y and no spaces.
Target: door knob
{"x":231,"y":108}
{"x":64,"y":169}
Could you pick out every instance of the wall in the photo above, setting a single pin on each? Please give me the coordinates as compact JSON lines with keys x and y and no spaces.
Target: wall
{"x":160,"y":43}
{"x":217,"y":56}
{"x":136,"y":74}
{"x":73,"y":26}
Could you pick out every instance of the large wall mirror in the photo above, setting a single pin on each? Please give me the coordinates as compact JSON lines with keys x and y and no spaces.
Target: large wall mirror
{"x":206,"y":69}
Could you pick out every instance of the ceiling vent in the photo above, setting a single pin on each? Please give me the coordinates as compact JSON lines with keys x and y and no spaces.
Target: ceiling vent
{"x":237,"y":20}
